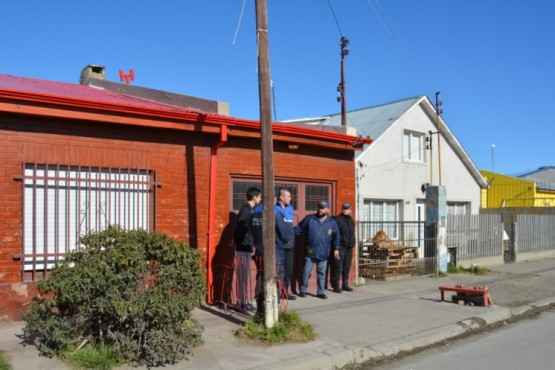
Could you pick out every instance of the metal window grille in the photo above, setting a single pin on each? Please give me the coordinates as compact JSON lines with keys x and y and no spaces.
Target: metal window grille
{"x":62,"y":203}
{"x":314,"y":194}
{"x":240,"y":189}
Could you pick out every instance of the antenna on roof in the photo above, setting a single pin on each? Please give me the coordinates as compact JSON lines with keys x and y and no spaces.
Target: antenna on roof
{"x":130,"y":76}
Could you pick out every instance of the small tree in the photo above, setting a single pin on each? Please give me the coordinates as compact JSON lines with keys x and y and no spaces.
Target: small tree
{"x":132,"y":290}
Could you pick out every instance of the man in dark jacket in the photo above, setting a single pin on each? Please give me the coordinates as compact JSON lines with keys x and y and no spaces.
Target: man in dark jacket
{"x":344,"y":256}
{"x":284,"y":210}
{"x":244,"y":244}
{"x":321,"y":234}
{"x":284,"y":235}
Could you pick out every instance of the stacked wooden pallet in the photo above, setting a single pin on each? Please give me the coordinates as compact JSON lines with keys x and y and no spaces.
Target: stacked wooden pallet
{"x":383,"y":259}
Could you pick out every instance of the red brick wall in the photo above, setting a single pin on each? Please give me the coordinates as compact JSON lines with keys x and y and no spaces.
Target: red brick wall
{"x":181,"y":162}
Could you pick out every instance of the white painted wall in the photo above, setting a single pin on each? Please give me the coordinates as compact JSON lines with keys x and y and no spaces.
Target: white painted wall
{"x":383,"y":174}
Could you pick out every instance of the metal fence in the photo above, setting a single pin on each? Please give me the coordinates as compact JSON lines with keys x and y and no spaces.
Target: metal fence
{"x":409,"y":248}
{"x":535,"y":233}
{"x":475,"y":236}
{"x":396,"y":250}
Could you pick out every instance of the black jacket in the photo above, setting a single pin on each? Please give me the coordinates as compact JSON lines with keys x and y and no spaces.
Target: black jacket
{"x":243,"y":233}
{"x":347,"y":230}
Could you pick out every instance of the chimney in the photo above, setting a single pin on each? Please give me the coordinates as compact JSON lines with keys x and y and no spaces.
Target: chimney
{"x":96,"y":71}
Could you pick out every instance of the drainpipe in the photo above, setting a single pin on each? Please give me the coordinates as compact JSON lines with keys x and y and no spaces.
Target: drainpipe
{"x":212,"y":210}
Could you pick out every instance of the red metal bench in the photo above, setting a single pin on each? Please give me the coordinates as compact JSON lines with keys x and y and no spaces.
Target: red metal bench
{"x":475,"y":295}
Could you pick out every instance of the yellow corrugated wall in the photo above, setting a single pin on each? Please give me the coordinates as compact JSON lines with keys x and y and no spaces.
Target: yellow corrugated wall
{"x":507,"y":191}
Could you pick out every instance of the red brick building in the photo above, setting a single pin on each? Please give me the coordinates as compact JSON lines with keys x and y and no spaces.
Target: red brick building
{"x":76,"y":158}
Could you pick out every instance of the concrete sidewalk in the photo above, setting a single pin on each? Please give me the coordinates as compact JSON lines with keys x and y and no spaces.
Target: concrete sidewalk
{"x":375,"y":320}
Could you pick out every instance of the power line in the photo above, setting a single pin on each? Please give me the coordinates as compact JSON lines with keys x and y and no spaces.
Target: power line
{"x":389,"y":27}
{"x":239,"y":22}
{"x":334,"y":17}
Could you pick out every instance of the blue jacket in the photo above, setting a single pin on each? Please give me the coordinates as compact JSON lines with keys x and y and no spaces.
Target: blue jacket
{"x":286,"y":227}
{"x":283,"y":235}
{"x":320,"y":237}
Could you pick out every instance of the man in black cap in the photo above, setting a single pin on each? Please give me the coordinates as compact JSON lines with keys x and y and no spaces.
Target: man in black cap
{"x":344,"y":256}
{"x":321,"y":234}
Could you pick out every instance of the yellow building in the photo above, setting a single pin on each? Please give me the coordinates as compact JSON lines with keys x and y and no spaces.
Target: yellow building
{"x":508,"y":191}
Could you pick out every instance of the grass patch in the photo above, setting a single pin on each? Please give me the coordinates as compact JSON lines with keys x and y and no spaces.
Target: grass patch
{"x":4,"y":364}
{"x":476,"y":270}
{"x":289,"y":328}
{"x":90,"y":357}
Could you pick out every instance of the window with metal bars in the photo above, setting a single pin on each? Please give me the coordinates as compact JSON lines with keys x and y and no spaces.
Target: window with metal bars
{"x":240,"y":189}
{"x":62,"y":203}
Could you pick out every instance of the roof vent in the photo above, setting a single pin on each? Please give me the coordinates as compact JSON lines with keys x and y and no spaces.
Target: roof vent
{"x":95,"y":71}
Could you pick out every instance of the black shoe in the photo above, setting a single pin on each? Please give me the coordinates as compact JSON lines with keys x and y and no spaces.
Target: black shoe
{"x":336,"y":290}
{"x":322,"y":296}
{"x":347,"y":288}
{"x":291,"y":297}
{"x":302,"y":295}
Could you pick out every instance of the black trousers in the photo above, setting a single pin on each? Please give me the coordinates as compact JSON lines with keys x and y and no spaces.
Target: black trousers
{"x":342,"y":268}
{"x":288,"y":261}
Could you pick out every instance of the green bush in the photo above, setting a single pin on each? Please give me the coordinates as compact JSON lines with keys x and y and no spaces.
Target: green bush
{"x":133,"y":291}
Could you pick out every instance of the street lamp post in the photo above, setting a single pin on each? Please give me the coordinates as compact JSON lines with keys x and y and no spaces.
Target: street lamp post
{"x":492,"y":157}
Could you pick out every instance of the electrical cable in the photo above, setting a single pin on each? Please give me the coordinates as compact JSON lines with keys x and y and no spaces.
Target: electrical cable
{"x":239,"y":23}
{"x":334,"y":17}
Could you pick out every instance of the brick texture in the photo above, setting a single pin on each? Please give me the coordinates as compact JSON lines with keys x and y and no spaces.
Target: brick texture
{"x":182,"y":166}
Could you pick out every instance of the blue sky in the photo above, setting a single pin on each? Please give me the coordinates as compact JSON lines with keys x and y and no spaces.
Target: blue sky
{"x":492,"y":60}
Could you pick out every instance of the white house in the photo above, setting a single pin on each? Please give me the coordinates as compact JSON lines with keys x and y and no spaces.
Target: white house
{"x":412,"y":148}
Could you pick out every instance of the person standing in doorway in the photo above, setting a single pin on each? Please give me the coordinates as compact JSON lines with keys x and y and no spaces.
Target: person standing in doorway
{"x":344,"y":255}
{"x":244,"y":245}
{"x":284,"y":210}
{"x":321,"y":234}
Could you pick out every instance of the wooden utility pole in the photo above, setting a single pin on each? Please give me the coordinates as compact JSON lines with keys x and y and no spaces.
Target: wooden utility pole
{"x":264,"y":88}
{"x":439,"y":110}
{"x":342,"y":88}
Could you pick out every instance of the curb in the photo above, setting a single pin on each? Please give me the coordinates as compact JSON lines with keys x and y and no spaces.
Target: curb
{"x":335,"y":358}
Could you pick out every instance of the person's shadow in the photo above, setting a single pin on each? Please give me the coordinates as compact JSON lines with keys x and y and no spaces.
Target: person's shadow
{"x":223,"y":264}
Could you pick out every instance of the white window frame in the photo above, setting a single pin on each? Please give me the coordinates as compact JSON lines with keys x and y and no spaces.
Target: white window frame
{"x":377,"y":210}
{"x":413,"y":146}
{"x":457,"y":208}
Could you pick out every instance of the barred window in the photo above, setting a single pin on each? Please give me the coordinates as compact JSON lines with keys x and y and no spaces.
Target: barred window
{"x":63,"y":203}
{"x":240,"y":189}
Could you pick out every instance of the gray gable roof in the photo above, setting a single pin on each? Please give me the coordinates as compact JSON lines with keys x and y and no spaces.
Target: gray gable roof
{"x":373,"y":121}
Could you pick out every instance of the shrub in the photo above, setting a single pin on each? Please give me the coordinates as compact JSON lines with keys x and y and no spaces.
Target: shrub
{"x":133,"y":291}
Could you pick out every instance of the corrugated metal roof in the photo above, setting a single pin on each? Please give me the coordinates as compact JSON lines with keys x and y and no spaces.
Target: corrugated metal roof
{"x":373,"y":121}
{"x":544,"y":177}
{"x":66,"y":97}
{"x":62,"y":89}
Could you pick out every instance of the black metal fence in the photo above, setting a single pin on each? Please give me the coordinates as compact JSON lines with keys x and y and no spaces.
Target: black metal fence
{"x":392,"y":250}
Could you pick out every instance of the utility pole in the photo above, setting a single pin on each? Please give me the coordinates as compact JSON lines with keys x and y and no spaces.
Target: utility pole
{"x":429,"y":146}
{"x":341,"y":87}
{"x":439,"y":110}
{"x":264,"y":86}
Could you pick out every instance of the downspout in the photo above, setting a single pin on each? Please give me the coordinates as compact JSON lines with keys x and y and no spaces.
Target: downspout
{"x":212,"y":211}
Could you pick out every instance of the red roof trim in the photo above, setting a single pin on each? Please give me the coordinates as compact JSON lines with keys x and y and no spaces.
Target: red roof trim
{"x":158,"y":110}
